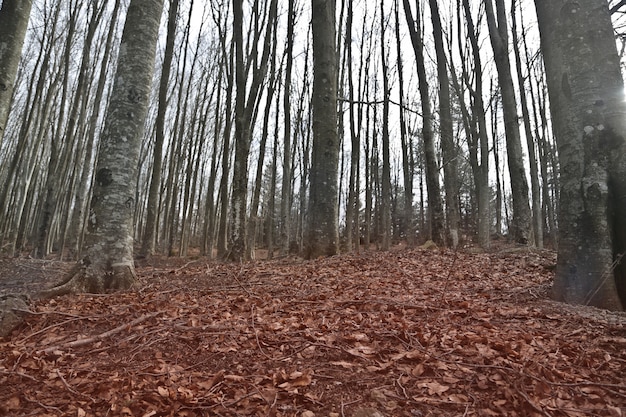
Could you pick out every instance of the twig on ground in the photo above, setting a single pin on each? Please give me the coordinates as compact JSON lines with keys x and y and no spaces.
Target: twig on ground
{"x":82,"y":342}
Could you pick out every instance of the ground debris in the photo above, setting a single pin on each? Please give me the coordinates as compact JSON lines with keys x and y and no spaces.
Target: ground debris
{"x":405,"y":333}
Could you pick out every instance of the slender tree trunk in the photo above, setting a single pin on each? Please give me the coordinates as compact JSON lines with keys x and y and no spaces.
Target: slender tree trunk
{"x":323,"y":231}
{"x":386,"y":173}
{"x":285,"y":194}
{"x":149,"y":238}
{"x":478,"y":110}
{"x":407,"y":169}
{"x":245,"y":111}
{"x":520,"y":225}
{"x":108,"y":263}
{"x":435,"y":204}
{"x":589,"y":119}
{"x":223,"y":192}
{"x":448,"y":145}
{"x":537,"y":218}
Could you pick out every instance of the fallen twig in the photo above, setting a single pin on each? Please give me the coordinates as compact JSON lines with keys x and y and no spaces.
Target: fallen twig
{"x":86,"y":341}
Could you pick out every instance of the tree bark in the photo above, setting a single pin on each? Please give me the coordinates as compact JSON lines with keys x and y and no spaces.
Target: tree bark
{"x":448,"y":146}
{"x":520,"y":225}
{"x":589,"y":117}
{"x":108,"y":263}
{"x":245,"y":112}
{"x":14,"y":17}
{"x":385,"y":206}
{"x":322,"y":237}
{"x":285,"y":193}
{"x":149,"y":238}
{"x":435,"y":203}
{"x":537,"y":217}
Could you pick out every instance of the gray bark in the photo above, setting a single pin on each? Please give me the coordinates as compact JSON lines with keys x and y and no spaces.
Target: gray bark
{"x":435,"y":203}
{"x":285,"y":199}
{"x":448,"y":145}
{"x":108,"y":263}
{"x":589,"y":118}
{"x":14,"y":16}
{"x":520,"y":225}
{"x":149,"y":238}
{"x":322,"y":237}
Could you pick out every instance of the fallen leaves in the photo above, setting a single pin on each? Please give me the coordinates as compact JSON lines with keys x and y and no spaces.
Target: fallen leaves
{"x":401,"y":333}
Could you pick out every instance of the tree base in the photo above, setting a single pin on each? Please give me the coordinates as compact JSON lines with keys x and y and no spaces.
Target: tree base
{"x":85,"y":277}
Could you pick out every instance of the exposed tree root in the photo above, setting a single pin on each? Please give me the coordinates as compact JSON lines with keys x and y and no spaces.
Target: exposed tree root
{"x":86,"y":278}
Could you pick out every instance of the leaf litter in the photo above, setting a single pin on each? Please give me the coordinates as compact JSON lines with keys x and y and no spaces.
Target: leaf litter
{"x":410,"y":332}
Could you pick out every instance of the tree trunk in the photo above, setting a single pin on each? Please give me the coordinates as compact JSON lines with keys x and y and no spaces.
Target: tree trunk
{"x":589,"y":117}
{"x":385,"y":212}
{"x":520,"y":226}
{"x":322,"y":237}
{"x":147,"y":247}
{"x":285,"y":194}
{"x":408,"y":224}
{"x":245,"y":112}
{"x":537,"y":217}
{"x":108,"y":263}
{"x":14,"y":16}
{"x":435,"y":204}
{"x":448,"y":146}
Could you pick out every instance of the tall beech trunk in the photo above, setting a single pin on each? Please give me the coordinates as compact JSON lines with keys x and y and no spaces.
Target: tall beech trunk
{"x":322,"y":235}
{"x":285,"y":193}
{"x":149,"y":238}
{"x":385,"y":206}
{"x":448,"y":145}
{"x":589,"y":118}
{"x":14,"y":16}
{"x":520,"y":225}
{"x":435,"y":203}
{"x":108,"y":263}
{"x":537,"y":217}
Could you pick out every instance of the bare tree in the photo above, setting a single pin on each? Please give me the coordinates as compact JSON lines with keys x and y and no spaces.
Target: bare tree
{"x":108,"y":263}
{"x":448,"y":145}
{"x":322,"y":237}
{"x":589,"y":118}
{"x":14,"y":16}
{"x":498,"y":33}
{"x":435,"y":204}
{"x":147,"y":247}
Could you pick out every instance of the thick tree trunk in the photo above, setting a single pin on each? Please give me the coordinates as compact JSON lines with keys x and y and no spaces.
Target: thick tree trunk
{"x":589,"y":118}
{"x":14,"y":16}
{"x":322,"y":237}
{"x":108,"y":263}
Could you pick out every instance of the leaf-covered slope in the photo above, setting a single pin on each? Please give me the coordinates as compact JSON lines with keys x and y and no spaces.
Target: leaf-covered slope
{"x":409,"y":333}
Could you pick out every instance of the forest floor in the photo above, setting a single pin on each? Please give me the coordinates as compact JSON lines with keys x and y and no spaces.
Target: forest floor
{"x":409,"y":332}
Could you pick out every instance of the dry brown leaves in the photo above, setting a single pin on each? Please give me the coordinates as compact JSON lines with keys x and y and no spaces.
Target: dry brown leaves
{"x":410,"y":333}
